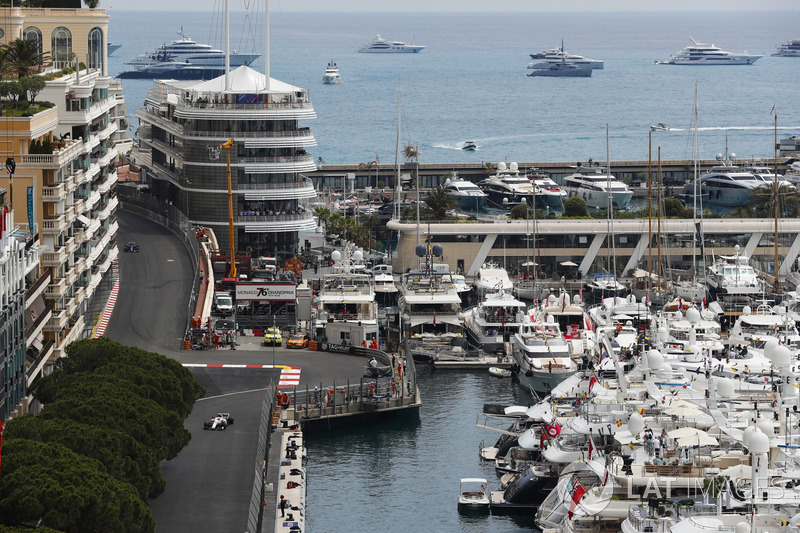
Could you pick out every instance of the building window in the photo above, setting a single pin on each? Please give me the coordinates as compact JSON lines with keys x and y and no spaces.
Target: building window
{"x":32,"y":33}
{"x":95,"y":48}
{"x":61,"y":47}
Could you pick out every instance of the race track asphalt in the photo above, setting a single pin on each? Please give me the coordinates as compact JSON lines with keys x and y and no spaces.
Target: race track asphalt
{"x":210,"y":482}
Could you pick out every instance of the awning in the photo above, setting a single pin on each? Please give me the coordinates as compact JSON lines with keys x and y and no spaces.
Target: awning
{"x":568,"y":264}
{"x":83,"y":220}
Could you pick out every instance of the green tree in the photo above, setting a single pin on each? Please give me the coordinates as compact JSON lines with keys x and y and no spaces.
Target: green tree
{"x":124,"y":458}
{"x":66,"y":491}
{"x":91,"y":4}
{"x":32,"y":86}
{"x":674,"y":208}
{"x":23,"y":56}
{"x":11,"y":90}
{"x":521,"y":212}
{"x":489,"y":168}
{"x":575,"y":207}
{"x":323,"y":214}
{"x":439,"y":202}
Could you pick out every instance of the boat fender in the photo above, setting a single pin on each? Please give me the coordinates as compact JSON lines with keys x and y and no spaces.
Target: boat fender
{"x":528,"y":373}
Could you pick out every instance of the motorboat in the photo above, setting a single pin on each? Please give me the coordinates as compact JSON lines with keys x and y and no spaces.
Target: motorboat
{"x":331,"y":76}
{"x":507,"y":188}
{"x":347,"y":311}
{"x":788,"y":49}
{"x":175,"y":70}
{"x":733,"y":275}
{"x":466,"y":194}
{"x":659,"y":127}
{"x":708,"y":54}
{"x":473,"y":494}
{"x":493,"y":321}
{"x":558,"y":55}
{"x":542,"y":355}
{"x":595,"y":185}
{"x":725,"y":185}
{"x":492,"y":278}
{"x":604,"y":285}
{"x":469,"y":146}
{"x":500,"y":372}
{"x":384,"y":46}
{"x":552,"y":195}
{"x":185,"y":50}
{"x":767,"y":175}
{"x":564,"y":69}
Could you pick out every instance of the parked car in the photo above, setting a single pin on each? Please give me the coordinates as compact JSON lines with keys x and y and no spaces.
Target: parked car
{"x":273,"y":337}
{"x":297,"y":341}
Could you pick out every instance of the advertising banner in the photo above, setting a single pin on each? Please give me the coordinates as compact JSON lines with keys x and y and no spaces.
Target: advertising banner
{"x":265,"y":292}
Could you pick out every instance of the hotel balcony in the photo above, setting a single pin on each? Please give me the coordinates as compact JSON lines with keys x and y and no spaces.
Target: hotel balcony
{"x":148,"y":115}
{"x":56,"y":289}
{"x":174,"y":151}
{"x":69,"y":184}
{"x":54,"y":193}
{"x":109,"y":182}
{"x":276,"y":223}
{"x":288,"y":110}
{"x":92,"y":200}
{"x":70,"y":245}
{"x":71,"y":276}
{"x":72,"y":306}
{"x":86,"y":116}
{"x":55,"y":258}
{"x":80,"y":265}
{"x":298,"y":163}
{"x":108,"y":131}
{"x":35,"y":365}
{"x":108,"y":209}
{"x":57,"y":322}
{"x":82,"y":177}
{"x":106,"y":264}
{"x":69,"y":215}
{"x":39,"y":287}
{"x":79,"y":205}
{"x":298,"y":138}
{"x":277,"y":191}
{"x":91,"y":172}
{"x":54,"y":226}
{"x":52,"y":161}
{"x":108,"y":157}
{"x":80,"y":295}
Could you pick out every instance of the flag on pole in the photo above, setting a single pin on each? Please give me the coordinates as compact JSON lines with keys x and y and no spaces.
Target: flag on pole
{"x":592,"y":382}
{"x":434,"y":317}
{"x":577,"y":491}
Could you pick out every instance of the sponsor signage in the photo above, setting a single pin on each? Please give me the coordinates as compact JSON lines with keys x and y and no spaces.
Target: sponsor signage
{"x":338,"y":348}
{"x":265,"y":292}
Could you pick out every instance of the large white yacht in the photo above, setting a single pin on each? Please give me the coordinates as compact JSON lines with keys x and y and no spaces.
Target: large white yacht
{"x":595,"y":185}
{"x":726,"y":185}
{"x":507,"y":187}
{"x":551,"y":194}
{"x":466,"y":194}
{"x":185,"y":50}
{"x":384,"y":46}
{"x":788,"y":49}
{"x":542,"y":354}
{"x":331,"y":76}
{"x":493,"y":321}
{"x":708,"y":54}
{"x":733,"y":275}
{"x":557,"y":55}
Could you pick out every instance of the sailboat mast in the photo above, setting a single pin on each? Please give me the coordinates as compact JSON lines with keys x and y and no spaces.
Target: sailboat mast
{"x":777,"y":198}
{"x":610,"y":208}
{"x":694,"y":204}
{"x":649,"y":205}
{"x":266,"y":45}
{"x":397,"y":184}
{"x":227,"y":45}
{"x":659,"y":215}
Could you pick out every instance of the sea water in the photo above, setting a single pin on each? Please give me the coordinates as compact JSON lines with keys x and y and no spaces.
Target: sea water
{"x":471,"y":83}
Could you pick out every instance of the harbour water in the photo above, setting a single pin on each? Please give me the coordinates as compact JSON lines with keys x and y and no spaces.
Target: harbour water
{"x":404,"y":475}
{"x":470,"y":82}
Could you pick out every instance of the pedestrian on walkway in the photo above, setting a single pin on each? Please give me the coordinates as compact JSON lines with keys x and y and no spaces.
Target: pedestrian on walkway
{"x":283,"y":506}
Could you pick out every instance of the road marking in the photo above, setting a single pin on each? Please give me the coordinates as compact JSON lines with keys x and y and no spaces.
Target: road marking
{"x":290,"y":377}
{"x":112,"y":301}
{"x":227,"y":365}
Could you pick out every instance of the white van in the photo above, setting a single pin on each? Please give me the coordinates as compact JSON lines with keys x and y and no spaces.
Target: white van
{"x":223,"y":303}
{"x":381,"y":269}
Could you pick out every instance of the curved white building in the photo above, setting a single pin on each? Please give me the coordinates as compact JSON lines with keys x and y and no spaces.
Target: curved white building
{"x":183,"y":125}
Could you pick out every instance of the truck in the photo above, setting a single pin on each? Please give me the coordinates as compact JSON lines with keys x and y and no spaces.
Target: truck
{"x":223,"y":303}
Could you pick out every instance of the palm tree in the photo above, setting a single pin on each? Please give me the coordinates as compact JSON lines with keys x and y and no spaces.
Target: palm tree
{"x":23,"y":56}
{"x":489,"y":168}
{"x":369,"y":166}
{"x":439,"y":202}
{"x":762,"y":199}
